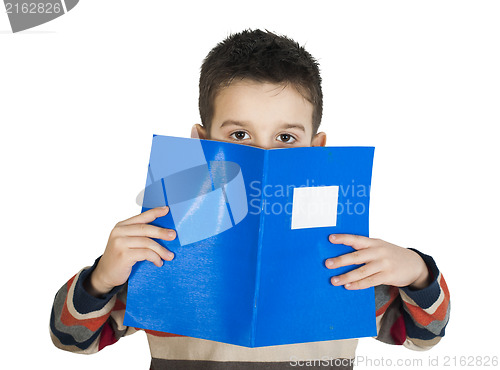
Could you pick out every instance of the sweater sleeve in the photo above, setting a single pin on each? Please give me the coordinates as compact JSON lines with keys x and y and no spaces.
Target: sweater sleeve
{"x":82,"y":323}
{"x":414,"y":318}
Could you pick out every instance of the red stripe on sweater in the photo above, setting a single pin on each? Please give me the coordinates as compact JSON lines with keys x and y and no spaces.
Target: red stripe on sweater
{"x":119,"y":305}
{"x":107,"y":337}
{"x":398,"y":331}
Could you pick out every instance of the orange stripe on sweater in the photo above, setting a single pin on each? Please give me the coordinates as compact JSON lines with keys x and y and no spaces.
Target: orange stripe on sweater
{"x":394,"y":293}
{"x":424,"y":318}
{"x":69,"y":283}
{"x":92,"y":324}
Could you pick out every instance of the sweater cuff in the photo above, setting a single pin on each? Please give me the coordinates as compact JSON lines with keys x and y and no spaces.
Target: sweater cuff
{"x":83,"y":301}
{"x":427,"y":296}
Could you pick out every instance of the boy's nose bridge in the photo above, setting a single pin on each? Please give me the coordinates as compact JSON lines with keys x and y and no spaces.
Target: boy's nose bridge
{"x":263,"y":143}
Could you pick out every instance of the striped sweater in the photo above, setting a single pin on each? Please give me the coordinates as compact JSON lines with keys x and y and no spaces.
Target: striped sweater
{"x":82,"y":323}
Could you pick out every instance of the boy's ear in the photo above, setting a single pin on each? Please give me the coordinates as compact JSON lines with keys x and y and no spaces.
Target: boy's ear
{"x":319,"y":139}
{"x":198,"y":132}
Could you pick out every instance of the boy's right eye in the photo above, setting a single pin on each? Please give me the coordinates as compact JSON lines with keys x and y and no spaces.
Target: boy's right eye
{"x":239,"y":135}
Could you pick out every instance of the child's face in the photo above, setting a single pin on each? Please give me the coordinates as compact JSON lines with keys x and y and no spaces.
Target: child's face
{"x":265,"y":115}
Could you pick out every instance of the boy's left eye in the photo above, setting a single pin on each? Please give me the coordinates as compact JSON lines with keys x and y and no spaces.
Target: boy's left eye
{"x":239,"y":135}
{"x":286,"y":138}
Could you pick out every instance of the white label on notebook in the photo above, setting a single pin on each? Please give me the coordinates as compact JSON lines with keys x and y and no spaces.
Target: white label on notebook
{"x":315,"y":207}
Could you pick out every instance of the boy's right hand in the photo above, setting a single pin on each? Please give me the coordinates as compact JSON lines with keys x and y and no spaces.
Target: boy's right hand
{"x":129,"y":242}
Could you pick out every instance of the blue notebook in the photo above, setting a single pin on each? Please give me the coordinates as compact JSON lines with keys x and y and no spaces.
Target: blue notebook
{"x":252,"y":239}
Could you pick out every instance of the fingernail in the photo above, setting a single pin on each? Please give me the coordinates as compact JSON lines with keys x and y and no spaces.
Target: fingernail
{"x":171,"y":234}
{"x":329,"y":264}
{"x":332,"y":237}
{"x":335,"y":280}
{"x":347,"y":285}
{"x":170,"y":256}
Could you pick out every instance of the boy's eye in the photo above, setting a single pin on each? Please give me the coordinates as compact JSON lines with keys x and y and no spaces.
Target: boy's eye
{"x":286,"y":138}
{"x":239,"y":135}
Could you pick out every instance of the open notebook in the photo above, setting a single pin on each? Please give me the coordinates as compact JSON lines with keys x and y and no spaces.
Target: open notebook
{"x":252,"y":237}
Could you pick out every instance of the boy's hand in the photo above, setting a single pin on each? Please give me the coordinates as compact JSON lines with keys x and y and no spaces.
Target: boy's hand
{"x":384,"y":263}
{"x":130,"y":241}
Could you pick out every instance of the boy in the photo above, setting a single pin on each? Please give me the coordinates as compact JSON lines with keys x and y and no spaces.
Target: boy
{"x":256,"y":88}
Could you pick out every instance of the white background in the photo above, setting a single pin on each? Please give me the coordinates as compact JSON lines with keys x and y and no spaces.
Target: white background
{"x":81,"y":96}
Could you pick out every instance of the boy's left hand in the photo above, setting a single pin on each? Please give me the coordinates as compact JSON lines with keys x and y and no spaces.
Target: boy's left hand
{"x":384,"y":263}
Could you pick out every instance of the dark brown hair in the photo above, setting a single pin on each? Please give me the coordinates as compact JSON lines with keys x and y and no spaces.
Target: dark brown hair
{"x":262,"y":57}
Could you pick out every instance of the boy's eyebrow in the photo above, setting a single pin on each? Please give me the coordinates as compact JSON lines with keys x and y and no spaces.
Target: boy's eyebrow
{"x":243,"y":124}
{"x":294,"y":125}
{"x":231,"y":122}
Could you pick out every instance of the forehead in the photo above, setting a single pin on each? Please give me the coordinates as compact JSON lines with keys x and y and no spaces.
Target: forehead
{"x":261,"y":102}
